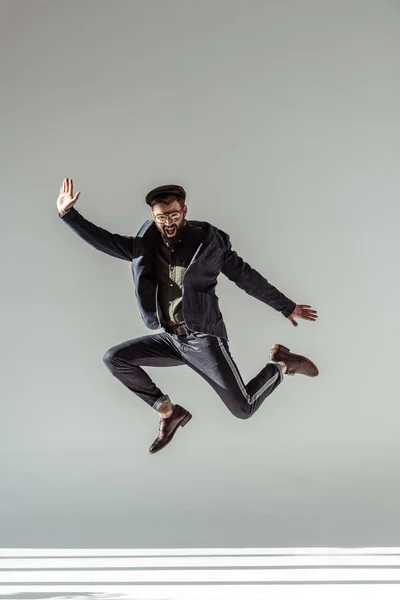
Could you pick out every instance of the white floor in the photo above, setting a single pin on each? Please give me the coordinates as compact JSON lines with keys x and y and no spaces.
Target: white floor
{"x":169,"y":574}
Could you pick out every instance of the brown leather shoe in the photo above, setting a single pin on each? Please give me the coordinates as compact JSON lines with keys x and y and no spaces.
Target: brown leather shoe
{"x":295,"y":363}
{"x":167,"y":428}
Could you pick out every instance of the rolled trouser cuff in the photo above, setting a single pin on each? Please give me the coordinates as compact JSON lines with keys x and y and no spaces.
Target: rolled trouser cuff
{"x":161,"y":401}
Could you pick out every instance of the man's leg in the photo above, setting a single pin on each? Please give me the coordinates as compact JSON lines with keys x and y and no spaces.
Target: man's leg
{"x":211,"y":358}
{"x":125,"y":362}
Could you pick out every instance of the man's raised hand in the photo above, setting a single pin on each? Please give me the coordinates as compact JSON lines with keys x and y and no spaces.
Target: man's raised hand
{"x":303,"y":311}
{"x":66,"y":199}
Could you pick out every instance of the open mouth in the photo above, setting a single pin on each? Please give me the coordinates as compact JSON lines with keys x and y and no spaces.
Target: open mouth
{"x":170,"y":231}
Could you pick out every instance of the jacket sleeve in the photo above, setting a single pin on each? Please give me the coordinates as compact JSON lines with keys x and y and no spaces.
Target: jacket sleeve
{"x":254,"y":284}
{"x":116,"y":245}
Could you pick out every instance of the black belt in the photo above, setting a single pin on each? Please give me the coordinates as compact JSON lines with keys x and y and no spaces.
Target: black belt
{"x":177,"y":329}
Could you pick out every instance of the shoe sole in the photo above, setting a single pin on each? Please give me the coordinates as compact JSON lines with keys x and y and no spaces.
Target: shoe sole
{"x":184,"y":422}
{"x":287,"y":350}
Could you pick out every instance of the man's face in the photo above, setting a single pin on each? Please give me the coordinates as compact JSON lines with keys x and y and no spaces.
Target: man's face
{"x":169,"y":219}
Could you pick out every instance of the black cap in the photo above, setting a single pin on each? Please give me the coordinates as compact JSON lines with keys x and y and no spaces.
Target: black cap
{"x":165,"y":190}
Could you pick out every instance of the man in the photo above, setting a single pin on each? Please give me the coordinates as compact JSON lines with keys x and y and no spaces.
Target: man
{"x":175,"y":266}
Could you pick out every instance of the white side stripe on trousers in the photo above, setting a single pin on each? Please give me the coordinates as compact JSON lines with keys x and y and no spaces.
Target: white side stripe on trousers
{"x":232,"y":366}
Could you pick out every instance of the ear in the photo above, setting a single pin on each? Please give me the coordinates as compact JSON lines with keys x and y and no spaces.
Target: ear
{"x":184,"y":210}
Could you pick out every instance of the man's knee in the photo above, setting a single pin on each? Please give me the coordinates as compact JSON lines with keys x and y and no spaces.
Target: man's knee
{"x":110,"y":359}
{"x":242,"y":412}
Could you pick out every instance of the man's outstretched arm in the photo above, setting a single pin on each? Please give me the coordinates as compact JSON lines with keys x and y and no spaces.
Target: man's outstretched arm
{"x":114,"y":244}
{"x":254,"y":284}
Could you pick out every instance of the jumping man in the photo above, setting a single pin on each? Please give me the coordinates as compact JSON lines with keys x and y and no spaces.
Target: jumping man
{"x":175,"y":266}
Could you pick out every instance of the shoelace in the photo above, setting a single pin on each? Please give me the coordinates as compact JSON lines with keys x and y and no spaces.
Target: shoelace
{"x":161,"y":428}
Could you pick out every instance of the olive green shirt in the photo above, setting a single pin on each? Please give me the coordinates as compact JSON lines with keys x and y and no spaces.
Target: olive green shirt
{"x":171,"y":262}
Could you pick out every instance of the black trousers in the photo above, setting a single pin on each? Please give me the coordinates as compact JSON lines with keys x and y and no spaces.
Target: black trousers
{"x":209,"y":356}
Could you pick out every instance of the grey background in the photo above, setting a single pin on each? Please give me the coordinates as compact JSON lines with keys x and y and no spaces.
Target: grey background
{"x":282,"y":120}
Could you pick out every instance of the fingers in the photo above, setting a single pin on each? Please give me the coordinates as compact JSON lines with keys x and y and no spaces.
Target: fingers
{"x":308,"y":313}
{"x":67,"y":187}
{"x":306,"y":309}
{"x":76,"y":197}
{"x":305,"y":312}
{"x":308,"y":316}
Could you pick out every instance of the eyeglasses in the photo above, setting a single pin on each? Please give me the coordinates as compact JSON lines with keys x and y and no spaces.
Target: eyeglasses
{"x":173,"y":216}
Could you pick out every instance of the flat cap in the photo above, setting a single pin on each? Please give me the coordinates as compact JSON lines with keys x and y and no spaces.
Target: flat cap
{"x":165,"y":190}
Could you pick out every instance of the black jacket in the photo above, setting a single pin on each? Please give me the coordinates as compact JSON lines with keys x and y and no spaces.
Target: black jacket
{"x":199,"y":301}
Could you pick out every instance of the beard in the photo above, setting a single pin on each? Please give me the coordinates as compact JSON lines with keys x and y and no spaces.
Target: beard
{"x":172,"y":234}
